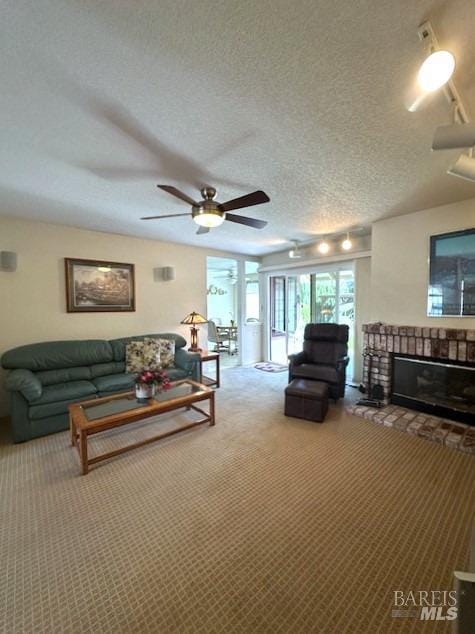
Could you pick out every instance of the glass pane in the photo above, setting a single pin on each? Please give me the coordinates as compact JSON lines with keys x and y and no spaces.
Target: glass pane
{"x":128,"y":403}
{"x":325,"y":298}
{"x":183,"y":389}
{"x":299,"y":311}
{"x":114,"y":406}
{"x":252,"y":291}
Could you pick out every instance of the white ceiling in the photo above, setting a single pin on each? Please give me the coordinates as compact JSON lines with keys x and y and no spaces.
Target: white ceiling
{"x":303,"y":99}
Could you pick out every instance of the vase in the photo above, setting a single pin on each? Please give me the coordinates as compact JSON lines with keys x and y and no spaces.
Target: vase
{"x":144,"y":391}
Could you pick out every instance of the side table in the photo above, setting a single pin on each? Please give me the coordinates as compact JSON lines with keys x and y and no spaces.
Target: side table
{"x":205,"y":356}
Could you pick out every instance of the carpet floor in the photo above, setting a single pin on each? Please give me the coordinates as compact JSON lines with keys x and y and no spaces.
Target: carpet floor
{"x":260,"y":524}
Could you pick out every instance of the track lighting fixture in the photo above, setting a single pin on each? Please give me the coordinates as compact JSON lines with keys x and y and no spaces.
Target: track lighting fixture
{"x":464,"y":167}
{"x":436,"y":70}
{"x":347,"y":243}
{"x":323,"y":247}
{"x":434,"y":73}
{"x":457,"y":135}
{"x":294,"y":252}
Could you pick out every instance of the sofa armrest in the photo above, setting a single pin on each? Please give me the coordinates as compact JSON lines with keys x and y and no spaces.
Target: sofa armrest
{"x":297,"y":359}
{"x":188,"y":361}
{"x":26,"y":382}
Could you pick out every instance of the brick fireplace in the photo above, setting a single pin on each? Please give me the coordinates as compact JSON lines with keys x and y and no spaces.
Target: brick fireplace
{"x":441,"y":344}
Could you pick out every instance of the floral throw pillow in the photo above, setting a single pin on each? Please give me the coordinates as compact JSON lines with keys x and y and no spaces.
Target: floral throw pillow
{"x":134,"y":356}
{"x":167,"y":352}
{"x":152,"y":354}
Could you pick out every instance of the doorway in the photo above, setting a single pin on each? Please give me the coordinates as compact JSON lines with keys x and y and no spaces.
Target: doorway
{"x":298,"y":299}
{"x":223,"y":308}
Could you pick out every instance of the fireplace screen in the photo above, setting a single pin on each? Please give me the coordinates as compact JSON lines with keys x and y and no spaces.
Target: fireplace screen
{"x":447,"y":386}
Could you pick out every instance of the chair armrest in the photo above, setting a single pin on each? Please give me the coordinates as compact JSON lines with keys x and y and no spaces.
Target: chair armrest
{"x":26,"y":382}
{"x":297,"y":359}
{"x":342,"y":363}
{"x":188,"y":361}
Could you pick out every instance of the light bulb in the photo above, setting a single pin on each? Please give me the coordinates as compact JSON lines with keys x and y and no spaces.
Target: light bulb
{"x":209,"y":219}
{"x":436,"y":70}
{"x":323,"y":247}
{"x":347,"y":243}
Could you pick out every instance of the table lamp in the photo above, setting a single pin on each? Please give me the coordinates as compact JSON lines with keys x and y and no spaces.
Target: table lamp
{"x":191,"y":320}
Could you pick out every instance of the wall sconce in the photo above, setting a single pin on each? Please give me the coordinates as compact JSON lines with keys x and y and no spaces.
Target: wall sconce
{"x":8,"y":261}
{"x":164,"y":274}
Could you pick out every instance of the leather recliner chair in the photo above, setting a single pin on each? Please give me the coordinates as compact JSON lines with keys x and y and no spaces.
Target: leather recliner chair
{"x":324,"y":357}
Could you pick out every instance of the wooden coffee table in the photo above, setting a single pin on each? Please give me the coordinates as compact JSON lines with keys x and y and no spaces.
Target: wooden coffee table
{"x":101,"y":414}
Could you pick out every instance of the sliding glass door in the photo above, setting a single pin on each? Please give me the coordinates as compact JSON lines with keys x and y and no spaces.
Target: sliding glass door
{"x":296,"y":300}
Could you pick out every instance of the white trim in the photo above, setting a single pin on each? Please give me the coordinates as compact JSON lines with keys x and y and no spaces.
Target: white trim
{"x":306,"y":264}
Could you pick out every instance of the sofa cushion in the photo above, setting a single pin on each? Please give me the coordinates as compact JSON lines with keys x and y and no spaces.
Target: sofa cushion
{"x":72,"y":391}
{"x":103,"y":369}
{"x":114,"y":382}
{"x":53,"y":355}
{"x":51,"y":377}
{"x":37,"y":412}
{"x":317,"y":372}
{"x":118,"y":345}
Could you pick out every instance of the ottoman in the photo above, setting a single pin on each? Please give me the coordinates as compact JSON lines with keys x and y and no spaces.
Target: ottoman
{"x":306,"y":399}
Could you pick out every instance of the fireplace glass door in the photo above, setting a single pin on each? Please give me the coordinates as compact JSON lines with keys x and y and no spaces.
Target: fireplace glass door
{"x":435,"y":387}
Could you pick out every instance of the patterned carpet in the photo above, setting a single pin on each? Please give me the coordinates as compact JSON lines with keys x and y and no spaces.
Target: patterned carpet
{"x":261,"y":524}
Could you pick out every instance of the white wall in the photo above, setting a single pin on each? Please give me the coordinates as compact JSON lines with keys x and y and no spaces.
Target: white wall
{"x":400,"y":264}
{"x":32,"y":300}
{"x":362,"y":311}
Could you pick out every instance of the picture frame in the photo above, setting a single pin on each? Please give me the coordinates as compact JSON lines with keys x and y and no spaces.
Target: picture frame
{"x":94,"y":286}
{"x":451,"y":289}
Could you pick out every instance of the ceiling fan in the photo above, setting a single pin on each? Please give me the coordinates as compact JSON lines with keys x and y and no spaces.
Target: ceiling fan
{"x":209,"y":213}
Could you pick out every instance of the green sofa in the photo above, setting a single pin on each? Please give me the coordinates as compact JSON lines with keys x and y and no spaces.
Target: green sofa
{"x":44,"y":378}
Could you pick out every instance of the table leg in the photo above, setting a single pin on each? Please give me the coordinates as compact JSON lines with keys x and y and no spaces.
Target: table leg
{"x":83,"y":451}
{"x":72,"y":430}
{"x":217,"y":372}
{"x":211,"y":410}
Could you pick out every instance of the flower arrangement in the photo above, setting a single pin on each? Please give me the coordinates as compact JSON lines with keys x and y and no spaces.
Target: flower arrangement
{"x":153,"y":377}
{"x":148,"y":382}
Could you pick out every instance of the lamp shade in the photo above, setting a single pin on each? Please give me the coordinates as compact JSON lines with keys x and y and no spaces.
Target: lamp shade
{"x":194,"y":318}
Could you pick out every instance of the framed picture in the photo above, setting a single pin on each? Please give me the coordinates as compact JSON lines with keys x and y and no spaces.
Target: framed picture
{"x":452,"y":275}
{"x":99,"y":286}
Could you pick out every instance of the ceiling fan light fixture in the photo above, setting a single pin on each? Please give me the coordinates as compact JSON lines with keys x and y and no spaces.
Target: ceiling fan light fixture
{"x":209,"y":219}
{"x":436,"y":70}
{"x":323,"y":247}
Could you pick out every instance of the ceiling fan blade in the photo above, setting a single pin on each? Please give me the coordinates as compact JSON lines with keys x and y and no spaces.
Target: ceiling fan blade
{"x":167,"y":216}
{"x":244,"y":220}
{"x":202,"y":230}
{"x":256,"y":198}
{"x":178,"y":194}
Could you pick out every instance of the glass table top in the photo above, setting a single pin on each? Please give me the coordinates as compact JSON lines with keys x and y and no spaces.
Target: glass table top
{"x":129,"y":401}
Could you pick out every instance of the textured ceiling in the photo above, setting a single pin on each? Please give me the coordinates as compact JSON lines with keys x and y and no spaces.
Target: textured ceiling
{"x":304,"y":99}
